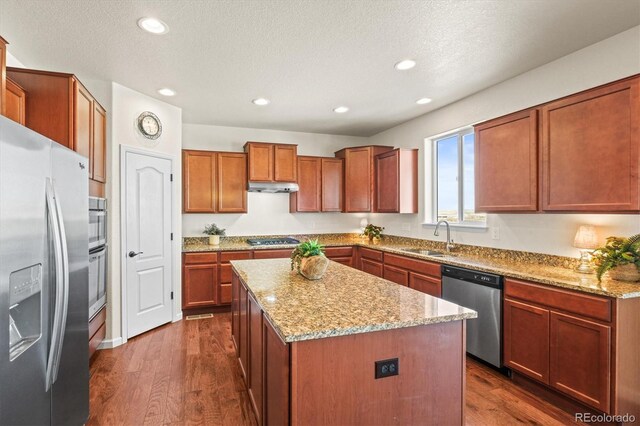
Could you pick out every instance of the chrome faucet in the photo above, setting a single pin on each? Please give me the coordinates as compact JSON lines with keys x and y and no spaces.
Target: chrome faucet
{"x":450,"y":244}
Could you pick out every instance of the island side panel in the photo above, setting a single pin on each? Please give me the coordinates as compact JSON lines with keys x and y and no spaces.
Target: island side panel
{"x":276,"y":377}
{"x":333,"y":379}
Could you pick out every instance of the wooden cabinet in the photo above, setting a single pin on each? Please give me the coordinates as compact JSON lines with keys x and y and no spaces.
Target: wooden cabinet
{"x":591,"y":150}
{"x":562,"y":339}
{"x":506,"y":163}
{"x":426,"y":284}
{"x":308,"y":198}
{"x":99,"y":147}
{"x":231,"y":182}
{"x":199,"y":280}
{"x":270,"y":162}
{"x":397,"y":275}
{"x":418,"y":274}
{"x":371,"y":261}
{"x":332,"y":182}
{"x":235,"y":312}
{"x":397,"y":181}
{"x":359,"y":177}
{"x":526,"y":339}
{"x":272,"y":254}
{"x":214,"y":182}
{"x":255,"y":382}
{"x":198,"y":181}
{"x":321,"y":185}
{"x":243,"y":321}
{"x":61,"y":108}
{"x":3,"y":75}
{"x":15,"y":101}
{"x":226,"y":272}
{"x":580,"y":361}
{"x":342,"y":255}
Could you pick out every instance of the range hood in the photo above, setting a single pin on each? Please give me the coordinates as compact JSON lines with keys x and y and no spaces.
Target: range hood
{"x":273,"y":187}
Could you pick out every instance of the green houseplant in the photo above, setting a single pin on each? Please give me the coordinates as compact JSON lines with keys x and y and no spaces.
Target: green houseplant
{"x":214,"y":233}
{"x":373,"y":231}
{"x":620,"y":257}
{"x":309,"y":260}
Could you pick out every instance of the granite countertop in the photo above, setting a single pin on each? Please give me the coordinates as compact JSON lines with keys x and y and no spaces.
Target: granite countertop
{"x":545,"y":269}
{"x":345,"y":301}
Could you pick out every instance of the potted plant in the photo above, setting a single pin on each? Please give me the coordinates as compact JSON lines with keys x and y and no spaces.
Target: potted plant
{"x":373,"y":232}
{"x":309,"y":260}
{"x":214,"y":234}
{"x":620,"y":257}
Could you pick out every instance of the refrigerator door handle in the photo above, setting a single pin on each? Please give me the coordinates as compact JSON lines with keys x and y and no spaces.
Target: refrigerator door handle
{"x":65,"y":285}
{"x":62,"y":281}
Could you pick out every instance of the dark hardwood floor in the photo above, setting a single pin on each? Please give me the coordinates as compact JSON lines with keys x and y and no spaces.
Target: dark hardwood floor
{"x":186,"y":373}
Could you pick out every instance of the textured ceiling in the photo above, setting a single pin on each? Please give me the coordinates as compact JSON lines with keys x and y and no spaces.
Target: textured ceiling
{"x":307,"y":56}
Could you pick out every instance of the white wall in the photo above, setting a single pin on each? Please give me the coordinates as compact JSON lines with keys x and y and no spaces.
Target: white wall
{"x":126,"y":106}
{"x":268,"y":213}
{"x":608,"y":60}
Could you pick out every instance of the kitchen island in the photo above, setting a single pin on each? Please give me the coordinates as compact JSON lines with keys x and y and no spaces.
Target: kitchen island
{"x":350,"y":348}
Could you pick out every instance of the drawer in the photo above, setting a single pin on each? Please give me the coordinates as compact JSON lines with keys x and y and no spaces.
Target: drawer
{"x":225,"y":294}
{"x":426,"y":284}
{"x":97,"y":321}
{"x":97,"y":338}
{"x":371,"y":267}
{"x":411,"y":264}
{"x":227,"y":256}
{"x":272,"y":254}
{"x":338,"y":251}
{"x":344,"y":260}
{"x":397,"y":275}
{"x":569,"y":301}
{"x":195,"y":258}
{"x":371,"y":254}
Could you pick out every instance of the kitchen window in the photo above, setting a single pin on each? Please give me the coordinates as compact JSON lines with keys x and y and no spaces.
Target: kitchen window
{"x":453,"y":188}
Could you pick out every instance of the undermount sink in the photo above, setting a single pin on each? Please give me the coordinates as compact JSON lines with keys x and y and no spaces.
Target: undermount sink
{"x":433,"y":253}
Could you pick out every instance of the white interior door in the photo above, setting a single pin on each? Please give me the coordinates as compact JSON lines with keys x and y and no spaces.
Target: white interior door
{"x":147,"y":242}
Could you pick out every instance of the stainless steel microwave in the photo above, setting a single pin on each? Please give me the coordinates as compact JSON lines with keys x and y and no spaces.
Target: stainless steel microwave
{"x":97,"y":222}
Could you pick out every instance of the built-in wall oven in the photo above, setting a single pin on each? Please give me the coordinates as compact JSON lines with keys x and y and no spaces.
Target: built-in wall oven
{"x":97,"y":254}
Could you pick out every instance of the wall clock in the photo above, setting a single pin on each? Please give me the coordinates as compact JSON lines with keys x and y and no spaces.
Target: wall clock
{"x":149,"y":125}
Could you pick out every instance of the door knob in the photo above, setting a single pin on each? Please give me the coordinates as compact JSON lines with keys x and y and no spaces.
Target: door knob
{"x":134,"y":254}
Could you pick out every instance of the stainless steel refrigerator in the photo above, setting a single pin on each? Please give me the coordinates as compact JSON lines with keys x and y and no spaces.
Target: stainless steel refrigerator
{"x":44,"y":363}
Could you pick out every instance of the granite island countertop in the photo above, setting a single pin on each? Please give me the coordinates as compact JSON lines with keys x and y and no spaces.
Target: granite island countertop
{"x":344,"y":301}
{"x":539,"y":268}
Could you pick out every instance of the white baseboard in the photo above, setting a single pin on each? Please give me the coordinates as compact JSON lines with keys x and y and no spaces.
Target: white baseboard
{"x":110,"y":343}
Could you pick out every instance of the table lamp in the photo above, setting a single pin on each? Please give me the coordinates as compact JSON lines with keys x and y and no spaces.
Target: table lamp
{"x":586,"y":240}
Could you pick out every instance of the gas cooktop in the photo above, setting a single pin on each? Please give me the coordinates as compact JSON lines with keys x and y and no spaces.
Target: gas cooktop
{"x":272,"y":241}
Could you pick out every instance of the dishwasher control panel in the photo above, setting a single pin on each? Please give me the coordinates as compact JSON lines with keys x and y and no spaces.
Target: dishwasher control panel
{"x":463,"y":274}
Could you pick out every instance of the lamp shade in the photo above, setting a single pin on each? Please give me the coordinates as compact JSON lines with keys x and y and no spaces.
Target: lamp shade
{"x":586,"y":237}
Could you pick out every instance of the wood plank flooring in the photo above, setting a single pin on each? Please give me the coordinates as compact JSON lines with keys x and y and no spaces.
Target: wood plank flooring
{"x":186,"y":373}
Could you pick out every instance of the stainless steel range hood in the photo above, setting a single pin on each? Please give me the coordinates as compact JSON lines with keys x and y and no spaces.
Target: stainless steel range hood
{"x":272,"y":187}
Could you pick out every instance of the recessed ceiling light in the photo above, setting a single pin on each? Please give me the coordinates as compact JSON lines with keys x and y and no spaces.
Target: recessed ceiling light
{"x":341,"y":109}
{"x":407,"y":64}
{"x":153,"y":25}
{"x":423,"y":101}
{"x":166,"y":92}
{"x":261,"y":101}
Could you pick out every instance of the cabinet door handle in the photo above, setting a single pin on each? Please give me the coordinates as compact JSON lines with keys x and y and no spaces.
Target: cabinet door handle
{"x":134,"y":254}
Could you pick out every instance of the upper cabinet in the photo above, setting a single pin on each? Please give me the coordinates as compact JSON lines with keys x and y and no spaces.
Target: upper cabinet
{"x":15,"y":102}
{"x":321,"y":185}
{"x":506,"y":163}
{"x":397,"y":181}
{"x":61,"y":108}
{"x":359,"y":177}
{"x":591,"y":150}
{"x":214,"y":182}
{"x":3,"y":75}
{"x":270,"y":162}
{"x":580,"y":153}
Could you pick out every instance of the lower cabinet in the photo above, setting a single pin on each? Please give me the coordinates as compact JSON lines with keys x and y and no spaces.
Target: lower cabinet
{"x":397,"y":275}
{"x":199,"y":280}
{"x":225,"y":272}
{"x":560,"y":346}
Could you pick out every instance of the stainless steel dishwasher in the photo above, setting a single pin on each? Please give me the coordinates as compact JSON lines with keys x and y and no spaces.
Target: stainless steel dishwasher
{"x":481,"y":292}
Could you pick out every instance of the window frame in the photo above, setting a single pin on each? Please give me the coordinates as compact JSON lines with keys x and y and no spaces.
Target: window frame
{"x":460,"y":134}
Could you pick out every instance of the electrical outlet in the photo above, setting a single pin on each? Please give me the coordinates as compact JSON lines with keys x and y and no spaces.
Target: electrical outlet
{"x":386,"y":368}
{"x":313,"y":225}
{"x":495,"y":233}
{"x":406,"y":227}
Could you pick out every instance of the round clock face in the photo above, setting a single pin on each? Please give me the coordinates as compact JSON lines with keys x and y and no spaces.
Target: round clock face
{"x":149,"y":125}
